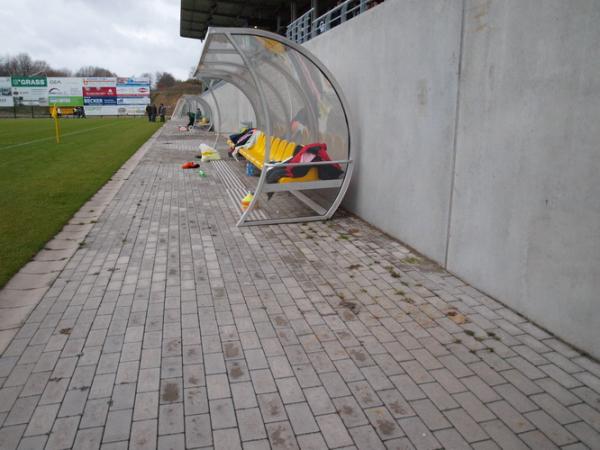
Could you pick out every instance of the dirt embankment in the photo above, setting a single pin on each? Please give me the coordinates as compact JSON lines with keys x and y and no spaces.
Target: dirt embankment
{"x":169,"y":96}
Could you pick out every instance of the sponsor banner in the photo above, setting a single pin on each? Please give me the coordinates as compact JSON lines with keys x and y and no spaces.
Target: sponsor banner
{"x":63,"y":91}
{"x":65,"y":101}
{"x":99,"y":100}
{"x":133,"y":100}
{"x":30,"y":96}
{"x":133,"y":81}
{"x":6,"y":98}
{"x":113,"y":110}
{"x":100,"y":82}
{"x":133,"y":91}
{"x":30,"y":91}
{"x":29,"y":82}
{"x":102,"y":91}
{"x":65,"y":87}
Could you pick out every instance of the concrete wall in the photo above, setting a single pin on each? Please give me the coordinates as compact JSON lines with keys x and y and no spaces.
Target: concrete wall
{"x":525,"y":223}
{"x":479,"y":144}
{"x":399,"y":72}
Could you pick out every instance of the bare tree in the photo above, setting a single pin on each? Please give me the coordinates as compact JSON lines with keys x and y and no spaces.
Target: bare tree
{"x":64,"y":72}
{"x":94,"y":71}
{"x":165,"y":80}
{"x":23,"y":65}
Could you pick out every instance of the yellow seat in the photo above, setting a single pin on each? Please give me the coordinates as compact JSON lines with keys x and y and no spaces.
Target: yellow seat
{"x":275,"y":151}
{"x":281,"y":150}
{"x":256,"y":153}
{"x":288,"y":151}
{"x":311,"y":175}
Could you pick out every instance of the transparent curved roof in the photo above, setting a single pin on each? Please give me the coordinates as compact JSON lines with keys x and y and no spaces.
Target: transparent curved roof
{"x":294,"y":98}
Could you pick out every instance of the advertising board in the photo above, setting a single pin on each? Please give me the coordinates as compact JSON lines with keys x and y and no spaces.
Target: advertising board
{"x":113,"y":110}
{"x":6,"y":98}
{"x":133,"y":81}
{"x":133,"y":100}
{"x":100,"y":82}
{"x":100,"y":91}
{"x":63,"y":91}
{"x":88,"y":100}
{"x":30,"y":91}
{"x":133,"y":91}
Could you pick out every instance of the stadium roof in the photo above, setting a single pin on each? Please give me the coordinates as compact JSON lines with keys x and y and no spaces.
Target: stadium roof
{"x":198,"y":15}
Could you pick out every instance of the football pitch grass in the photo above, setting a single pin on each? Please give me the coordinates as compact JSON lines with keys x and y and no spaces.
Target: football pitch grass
{"x":42,"y":184}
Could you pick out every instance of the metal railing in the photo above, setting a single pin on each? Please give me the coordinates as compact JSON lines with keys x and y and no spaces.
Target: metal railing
{"x":307,"y":26}
{"x":300,"y":29}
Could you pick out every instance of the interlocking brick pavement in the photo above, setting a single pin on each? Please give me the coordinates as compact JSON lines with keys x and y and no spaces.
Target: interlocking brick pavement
{"x":172,"y":328}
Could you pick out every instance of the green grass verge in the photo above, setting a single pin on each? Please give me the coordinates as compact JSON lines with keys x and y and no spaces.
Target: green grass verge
{"x":42,"y":184}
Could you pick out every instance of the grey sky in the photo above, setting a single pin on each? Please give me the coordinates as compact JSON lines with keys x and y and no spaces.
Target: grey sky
{"x":128,"y":37}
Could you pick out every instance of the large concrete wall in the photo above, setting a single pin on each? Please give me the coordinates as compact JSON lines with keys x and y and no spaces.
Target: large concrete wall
{"x":478,"y":144}
{"x":398,"y":69}
{"x":525,"y":223}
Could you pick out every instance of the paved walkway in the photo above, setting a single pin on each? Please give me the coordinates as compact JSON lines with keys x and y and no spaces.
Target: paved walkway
{"x":172,"y":328}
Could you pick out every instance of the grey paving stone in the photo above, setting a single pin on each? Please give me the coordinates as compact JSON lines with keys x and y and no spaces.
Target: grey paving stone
{"x":118,"y":424}
{"x":418,"y":433}
{"x":552,"y":429}
{"x":171,"y":442}
{"x":198,"y":431}
{"x":585,"y":433}
{"x":63,"y":433}
{"x":349,"y":410}
{"x":218,"y":386}
{"x":451,"y":440}
{"x":502,"y":436}
{"x":301,"y":418}
{"x":42,"y":420}
{"x":407,"y":387}
{"x":94,"y":414}
{"x":22,"y":411}
{"x":10,"y":436}
{"x":365,"y":437}
{"x":319,"y":400}
{"x":243,"y":395}
{"x":226,"y":439}
{"x":383,"y":422}
{"x":561,"y":414}
{"x":263,"y":381}
{"x":333,"y":430}
{"x":312,"y":441}
{"x":251,"y":425}
{"x":429,"y":414}
{"x":535,"y":439}
{"x":290,"y":390}
{"x":222,"y":413}
{"x":88,"y":439}
{"x":364,"y":394}
{"x":32,"y":443}
{"x":587,"y":413}
{"x":465,"y":425}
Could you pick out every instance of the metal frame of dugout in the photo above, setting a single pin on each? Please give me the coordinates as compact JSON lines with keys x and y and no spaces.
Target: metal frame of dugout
{"x":194,"y":102}
{"x":295,"y":99}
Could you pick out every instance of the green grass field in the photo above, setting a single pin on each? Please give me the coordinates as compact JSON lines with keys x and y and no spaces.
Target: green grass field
{"x":42,"y":184}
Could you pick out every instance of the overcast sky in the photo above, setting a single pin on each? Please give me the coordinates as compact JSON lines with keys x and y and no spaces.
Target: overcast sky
{"x":128,"y":37}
